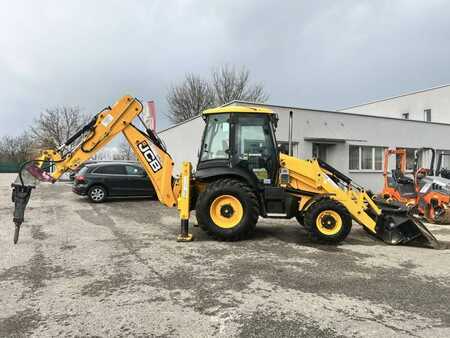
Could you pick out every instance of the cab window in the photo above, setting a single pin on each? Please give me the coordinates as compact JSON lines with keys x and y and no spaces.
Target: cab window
{"x":216,"y":138}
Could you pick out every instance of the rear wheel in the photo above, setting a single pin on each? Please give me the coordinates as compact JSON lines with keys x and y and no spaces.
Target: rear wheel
{"x":227,"y":210}
{"x":328,"y":221}
{"x":97,"y":194}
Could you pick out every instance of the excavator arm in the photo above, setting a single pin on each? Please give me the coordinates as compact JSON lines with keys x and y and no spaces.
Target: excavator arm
{"x":95,"y":135}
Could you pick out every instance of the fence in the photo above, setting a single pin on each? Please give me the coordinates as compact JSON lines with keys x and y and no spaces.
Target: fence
{"x":9,"y":167}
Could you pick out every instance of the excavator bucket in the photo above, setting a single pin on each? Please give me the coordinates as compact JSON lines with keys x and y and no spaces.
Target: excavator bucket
{"x":396,"y":225}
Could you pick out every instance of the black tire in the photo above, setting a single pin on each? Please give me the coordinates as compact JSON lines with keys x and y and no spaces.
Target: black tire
{"x":240,"y":191}
{"x":300,"y":217}
{"x":97,"y":194}
{"x":315,"y":213}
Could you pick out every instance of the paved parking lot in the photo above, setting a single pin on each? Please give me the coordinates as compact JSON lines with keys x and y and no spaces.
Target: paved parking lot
{"x":115,"y":269}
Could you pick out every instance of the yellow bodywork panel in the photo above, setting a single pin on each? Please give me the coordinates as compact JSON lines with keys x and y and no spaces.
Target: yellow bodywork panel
{"x":308,"y":176}
{"x":156,"y":162}
{"x":237,"y":109}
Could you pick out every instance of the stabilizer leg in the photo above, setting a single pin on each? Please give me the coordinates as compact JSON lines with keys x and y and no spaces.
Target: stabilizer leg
{"x":184,"y":201}
{"x":184,"y":235}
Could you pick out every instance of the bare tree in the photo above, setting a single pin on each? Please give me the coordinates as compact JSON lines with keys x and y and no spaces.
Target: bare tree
{"x":54,"y":126}
{"x":16,"y":149}
{"x":230,"y":84}
{"x":194,"y":94}
{"x":125,"y":152}
{"x":189,"y":98}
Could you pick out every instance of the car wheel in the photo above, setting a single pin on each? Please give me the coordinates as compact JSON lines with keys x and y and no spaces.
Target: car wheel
{"x":97,"y":194}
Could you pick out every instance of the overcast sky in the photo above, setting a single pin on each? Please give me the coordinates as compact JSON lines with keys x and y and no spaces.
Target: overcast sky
{"x":317,"y":54}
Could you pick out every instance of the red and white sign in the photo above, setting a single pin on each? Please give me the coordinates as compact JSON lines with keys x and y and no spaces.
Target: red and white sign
{"x":149,"y":115}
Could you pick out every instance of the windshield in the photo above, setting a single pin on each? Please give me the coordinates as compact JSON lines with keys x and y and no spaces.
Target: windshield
{"x":216,"y":139}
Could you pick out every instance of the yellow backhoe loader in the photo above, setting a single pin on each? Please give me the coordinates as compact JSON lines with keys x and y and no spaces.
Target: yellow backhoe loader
{"x":240,"y":176}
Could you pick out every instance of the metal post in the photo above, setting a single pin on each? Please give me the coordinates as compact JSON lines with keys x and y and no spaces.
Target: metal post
{"x":290,"y":132}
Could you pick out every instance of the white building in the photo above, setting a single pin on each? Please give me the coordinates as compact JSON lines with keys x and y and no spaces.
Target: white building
{"x":352,"y":143}
{"x":431,"y":105}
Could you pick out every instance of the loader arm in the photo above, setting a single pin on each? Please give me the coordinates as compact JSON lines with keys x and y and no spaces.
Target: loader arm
{"x":309,"y":177}
{"x":100,"y":131}
{"x":312,"y":180}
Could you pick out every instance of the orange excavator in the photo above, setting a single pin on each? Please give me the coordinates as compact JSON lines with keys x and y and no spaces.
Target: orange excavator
{"x":433,"y":191}
{"x":427,"y":194}
{"x":398,"y":185}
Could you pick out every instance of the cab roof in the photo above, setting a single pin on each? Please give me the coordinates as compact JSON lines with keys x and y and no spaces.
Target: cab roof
{"x":237,"y":109}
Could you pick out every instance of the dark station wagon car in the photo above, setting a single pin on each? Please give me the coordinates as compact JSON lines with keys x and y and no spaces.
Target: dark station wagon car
{"x":102,"y":180}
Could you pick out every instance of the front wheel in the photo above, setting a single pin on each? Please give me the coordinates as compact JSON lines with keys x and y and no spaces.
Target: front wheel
{"x":227,"y":210}
{"x":329,"y":221}
{"x":300,"y":217}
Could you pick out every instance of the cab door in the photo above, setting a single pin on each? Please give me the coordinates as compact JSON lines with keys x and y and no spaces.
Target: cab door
{"x":254,"y":143}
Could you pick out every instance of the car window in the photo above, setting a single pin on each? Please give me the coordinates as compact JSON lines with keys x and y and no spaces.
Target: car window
{"x":132,"y":170}
{"x":83,"y":171}
{"x":111,"y":169}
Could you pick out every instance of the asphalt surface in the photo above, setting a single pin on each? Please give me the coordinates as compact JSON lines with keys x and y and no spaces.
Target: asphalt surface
{"x":115,"y":269}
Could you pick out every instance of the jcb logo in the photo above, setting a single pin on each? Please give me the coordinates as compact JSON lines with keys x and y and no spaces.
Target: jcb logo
{"x":149,"y":156}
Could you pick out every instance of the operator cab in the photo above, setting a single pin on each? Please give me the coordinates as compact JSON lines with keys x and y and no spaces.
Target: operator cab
{"x":239,"y":141}
{"x":402,"y":183}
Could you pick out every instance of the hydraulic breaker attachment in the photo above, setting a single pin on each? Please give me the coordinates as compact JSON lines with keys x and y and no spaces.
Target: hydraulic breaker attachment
{"x":20,"y":197}
{"x":396,"y":225}
{"x":26,"y":181}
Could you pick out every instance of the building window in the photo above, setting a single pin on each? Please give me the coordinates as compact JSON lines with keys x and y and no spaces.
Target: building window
{"x":405,"y":116}
{"x":319,"y":151}
{"x":365,"y":158}
{"x":283,"y":147}
{"x":410,"y":158}
{"x":379,"y":155}
{"x":427,"y":113}
{"x":353,"y":158}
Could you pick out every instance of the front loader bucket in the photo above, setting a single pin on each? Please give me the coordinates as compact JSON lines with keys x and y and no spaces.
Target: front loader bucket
{"x":396,"y":225}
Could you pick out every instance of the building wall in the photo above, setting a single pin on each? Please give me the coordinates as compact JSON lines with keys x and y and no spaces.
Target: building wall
{"x":183,"y":141}
{"x":342,"y":129}
{"x":436,"y":99}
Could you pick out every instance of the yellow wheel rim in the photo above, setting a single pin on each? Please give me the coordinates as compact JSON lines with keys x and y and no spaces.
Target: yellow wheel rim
{"x":226,"y":211}
{"x":329,"y":222}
